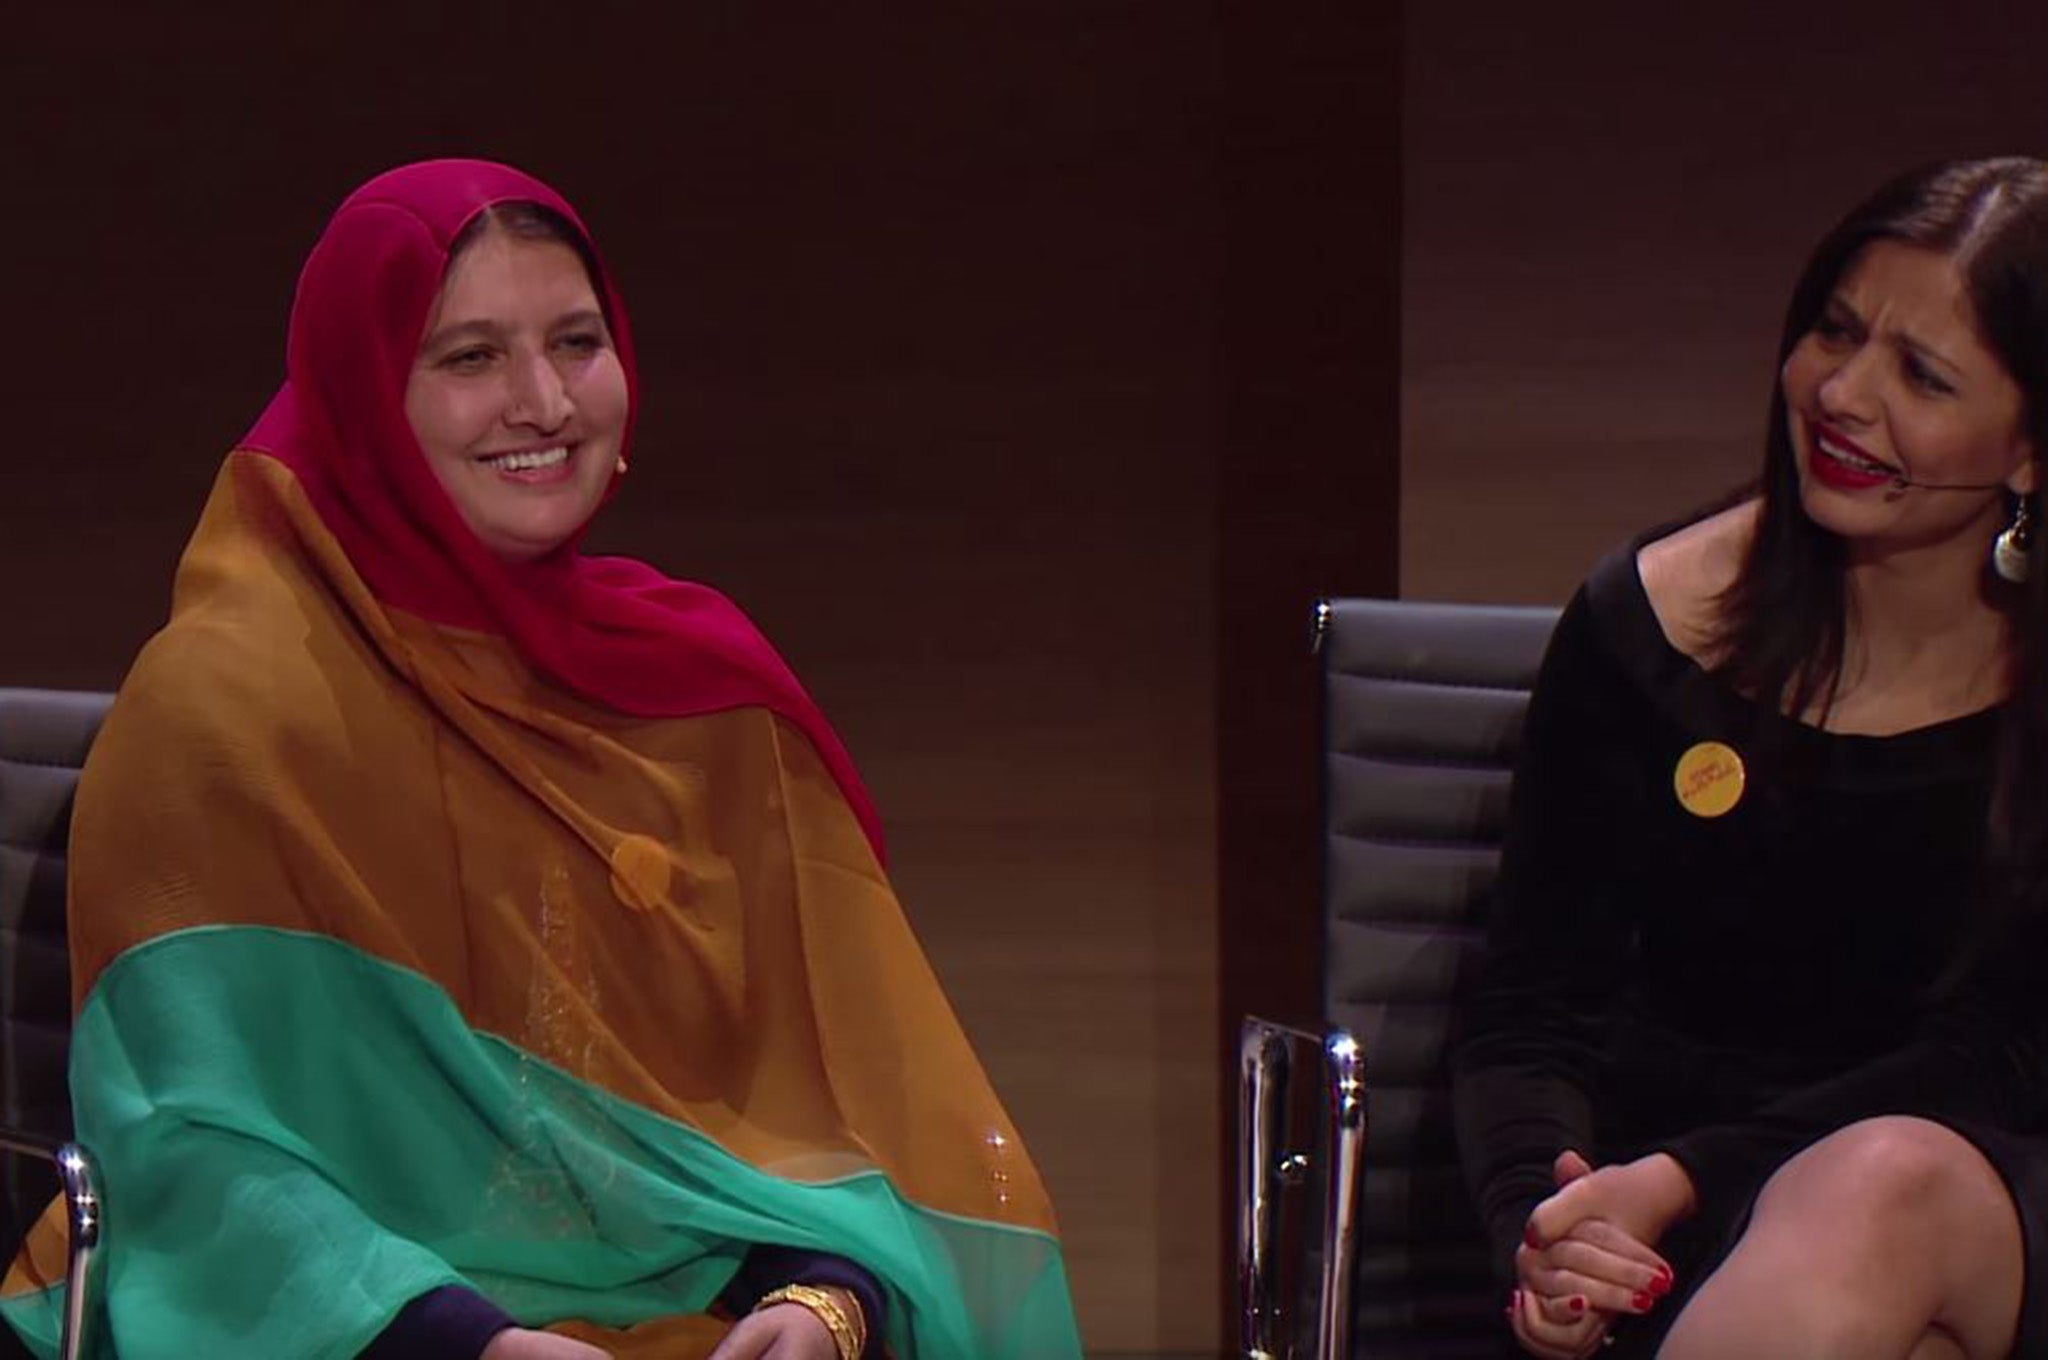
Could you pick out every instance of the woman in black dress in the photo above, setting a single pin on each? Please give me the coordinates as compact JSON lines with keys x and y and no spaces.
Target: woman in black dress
{"x":1751,"y":958}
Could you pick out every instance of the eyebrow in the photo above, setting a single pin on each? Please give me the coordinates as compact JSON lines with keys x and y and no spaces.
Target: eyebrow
{"x":480,"y":329}
{"x":483,"y":329}
{"x":1902,"y":339}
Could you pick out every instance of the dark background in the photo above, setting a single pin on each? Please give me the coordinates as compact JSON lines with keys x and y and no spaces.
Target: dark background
{"x":1606,"y":205}
{"x":1026,"y":368}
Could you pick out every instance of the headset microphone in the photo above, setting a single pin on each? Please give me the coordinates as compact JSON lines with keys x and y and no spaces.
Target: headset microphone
{"x":1901,"y":482}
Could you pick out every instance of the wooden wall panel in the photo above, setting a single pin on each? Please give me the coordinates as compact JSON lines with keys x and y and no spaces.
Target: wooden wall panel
{"x":926,"y":304}
{"x":1024,"y":368}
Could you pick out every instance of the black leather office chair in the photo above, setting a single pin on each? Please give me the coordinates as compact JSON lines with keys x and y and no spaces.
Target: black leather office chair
{"x":1422,"y":714}
{"x":44,"y":736}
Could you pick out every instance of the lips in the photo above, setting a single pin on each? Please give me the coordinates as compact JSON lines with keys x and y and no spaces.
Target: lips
{"x":1839,"y":462}
{"x":532,"y":467}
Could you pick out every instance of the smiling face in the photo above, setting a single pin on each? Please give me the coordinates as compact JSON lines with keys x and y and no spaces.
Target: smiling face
{"x":516,"y":396}
{"x":1895,"y":382}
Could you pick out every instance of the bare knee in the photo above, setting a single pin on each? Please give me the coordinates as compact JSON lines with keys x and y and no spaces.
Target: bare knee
{"x":1904,"y":1216}
{"x":1894,"y":1167}
{"x":1893,"y":1236}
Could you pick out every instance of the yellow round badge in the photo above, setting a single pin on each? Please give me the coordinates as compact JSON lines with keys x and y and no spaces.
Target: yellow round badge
{"x":1709,"y":779}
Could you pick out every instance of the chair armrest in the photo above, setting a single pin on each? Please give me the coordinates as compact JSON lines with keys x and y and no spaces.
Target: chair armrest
{"x":80,"y":1177}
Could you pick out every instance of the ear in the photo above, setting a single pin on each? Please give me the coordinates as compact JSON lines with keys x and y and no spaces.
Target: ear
{"x":2025,"y":477}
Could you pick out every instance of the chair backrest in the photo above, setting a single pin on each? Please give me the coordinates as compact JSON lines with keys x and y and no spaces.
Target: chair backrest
{"x":1422,"y":721}
{"x":44,"y":736}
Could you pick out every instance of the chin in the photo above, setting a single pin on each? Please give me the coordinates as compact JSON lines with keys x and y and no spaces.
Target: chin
{"x":525,"y":546}
{"x":1836,"y":514}
{"x":521,"y":538}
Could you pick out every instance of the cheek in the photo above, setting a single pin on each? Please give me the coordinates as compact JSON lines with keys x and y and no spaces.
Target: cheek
{"x":445,"y":418}
{"x":1990,"y":450}
{"x":1954,"y":445}
{"x":1801,"y":378}
{"x":602,"y":396}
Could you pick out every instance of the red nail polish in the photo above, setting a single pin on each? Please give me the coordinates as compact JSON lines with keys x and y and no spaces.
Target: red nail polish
{"x":1579,"y":1303}
{"x":1529,"y":1236}
{"x":1643,"y":1302}
{"x":1660,"y":1285}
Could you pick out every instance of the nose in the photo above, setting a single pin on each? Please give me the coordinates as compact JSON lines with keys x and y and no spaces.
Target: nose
{"x":1849,"y":393}
{"x":538,"y":398}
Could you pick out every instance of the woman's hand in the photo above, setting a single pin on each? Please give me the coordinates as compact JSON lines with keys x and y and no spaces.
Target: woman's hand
{"x":517,"y":1343}
{"x":781,"y":1331}
{"x":1579,"y":1268}
{"x":1540,"y":1334}
{"x":1642,"y":1198}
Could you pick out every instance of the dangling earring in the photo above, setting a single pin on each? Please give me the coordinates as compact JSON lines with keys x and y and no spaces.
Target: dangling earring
{"x":2012,"y":552}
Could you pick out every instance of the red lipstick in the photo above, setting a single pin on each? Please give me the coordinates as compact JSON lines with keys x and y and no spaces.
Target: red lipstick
{"x":1841,"y":463}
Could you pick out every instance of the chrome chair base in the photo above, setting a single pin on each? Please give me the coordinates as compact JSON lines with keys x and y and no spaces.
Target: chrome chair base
{"x":1266,"y":1169}
{"x":80,"y":1178}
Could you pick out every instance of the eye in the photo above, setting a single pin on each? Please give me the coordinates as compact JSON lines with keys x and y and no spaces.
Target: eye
{"x":1922,"y":376}
{"x":581,"y":343}
{"x":1833,"y":328}
{"x":468,"y":359}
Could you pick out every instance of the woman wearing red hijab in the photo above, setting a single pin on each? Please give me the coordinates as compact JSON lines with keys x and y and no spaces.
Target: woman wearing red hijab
{"x":484,"y":949}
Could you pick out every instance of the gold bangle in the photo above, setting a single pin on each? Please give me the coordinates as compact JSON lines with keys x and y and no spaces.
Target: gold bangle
{"x":850,"y":1335}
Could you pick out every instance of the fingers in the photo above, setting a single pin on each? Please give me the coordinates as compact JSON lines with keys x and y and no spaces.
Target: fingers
{"x":749,"y":1340}
{"x":1568,"y":1167}
{"x":1542,"y":1335}
{"x":1615,"y":1283}
{"x":1583,"y":1202}
{"x":1566,"y":1293}
{"x":1601,"y":1235}
{"x":1557,"y":1216}
{"x":1560,"y":1310}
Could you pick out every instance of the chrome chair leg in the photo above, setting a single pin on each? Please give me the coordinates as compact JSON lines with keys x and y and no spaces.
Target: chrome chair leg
{"x":1344,"y":1176}
{"x":80,"y":1178}
{"x":1261,"y":1103}
{"x":1265,"y":1168}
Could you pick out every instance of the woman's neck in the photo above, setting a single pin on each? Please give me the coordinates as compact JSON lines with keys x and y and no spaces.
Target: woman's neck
{"x":1920,"y":629}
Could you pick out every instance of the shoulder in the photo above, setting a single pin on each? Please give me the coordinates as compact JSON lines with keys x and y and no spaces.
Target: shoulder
{"x":1649,"y":611}
{"x":184,"y":714}
{"x":208,"y":697}
{"x":1685,"y":573}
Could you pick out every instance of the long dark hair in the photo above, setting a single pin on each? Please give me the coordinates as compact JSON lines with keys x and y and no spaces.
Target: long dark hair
{"x":1782,"y":622}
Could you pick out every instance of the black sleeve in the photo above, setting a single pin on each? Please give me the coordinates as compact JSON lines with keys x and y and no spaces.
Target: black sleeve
{"x":1529,"y":1036}
{"x":449,"y":1323}
{"x":768,"y":1268}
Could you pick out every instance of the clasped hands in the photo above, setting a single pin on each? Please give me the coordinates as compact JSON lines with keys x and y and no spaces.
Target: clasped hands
{"x":782,"y":1332}
{"x":1589,"y":1257}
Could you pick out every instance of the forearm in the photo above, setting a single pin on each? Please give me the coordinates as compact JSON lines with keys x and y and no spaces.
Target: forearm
{"x":1664,"y":1189}
{"x":1512,"y":1121}
{"x":1529,"y":1044}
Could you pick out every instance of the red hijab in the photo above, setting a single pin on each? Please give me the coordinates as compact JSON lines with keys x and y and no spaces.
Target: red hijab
{"x":608,"y":628}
